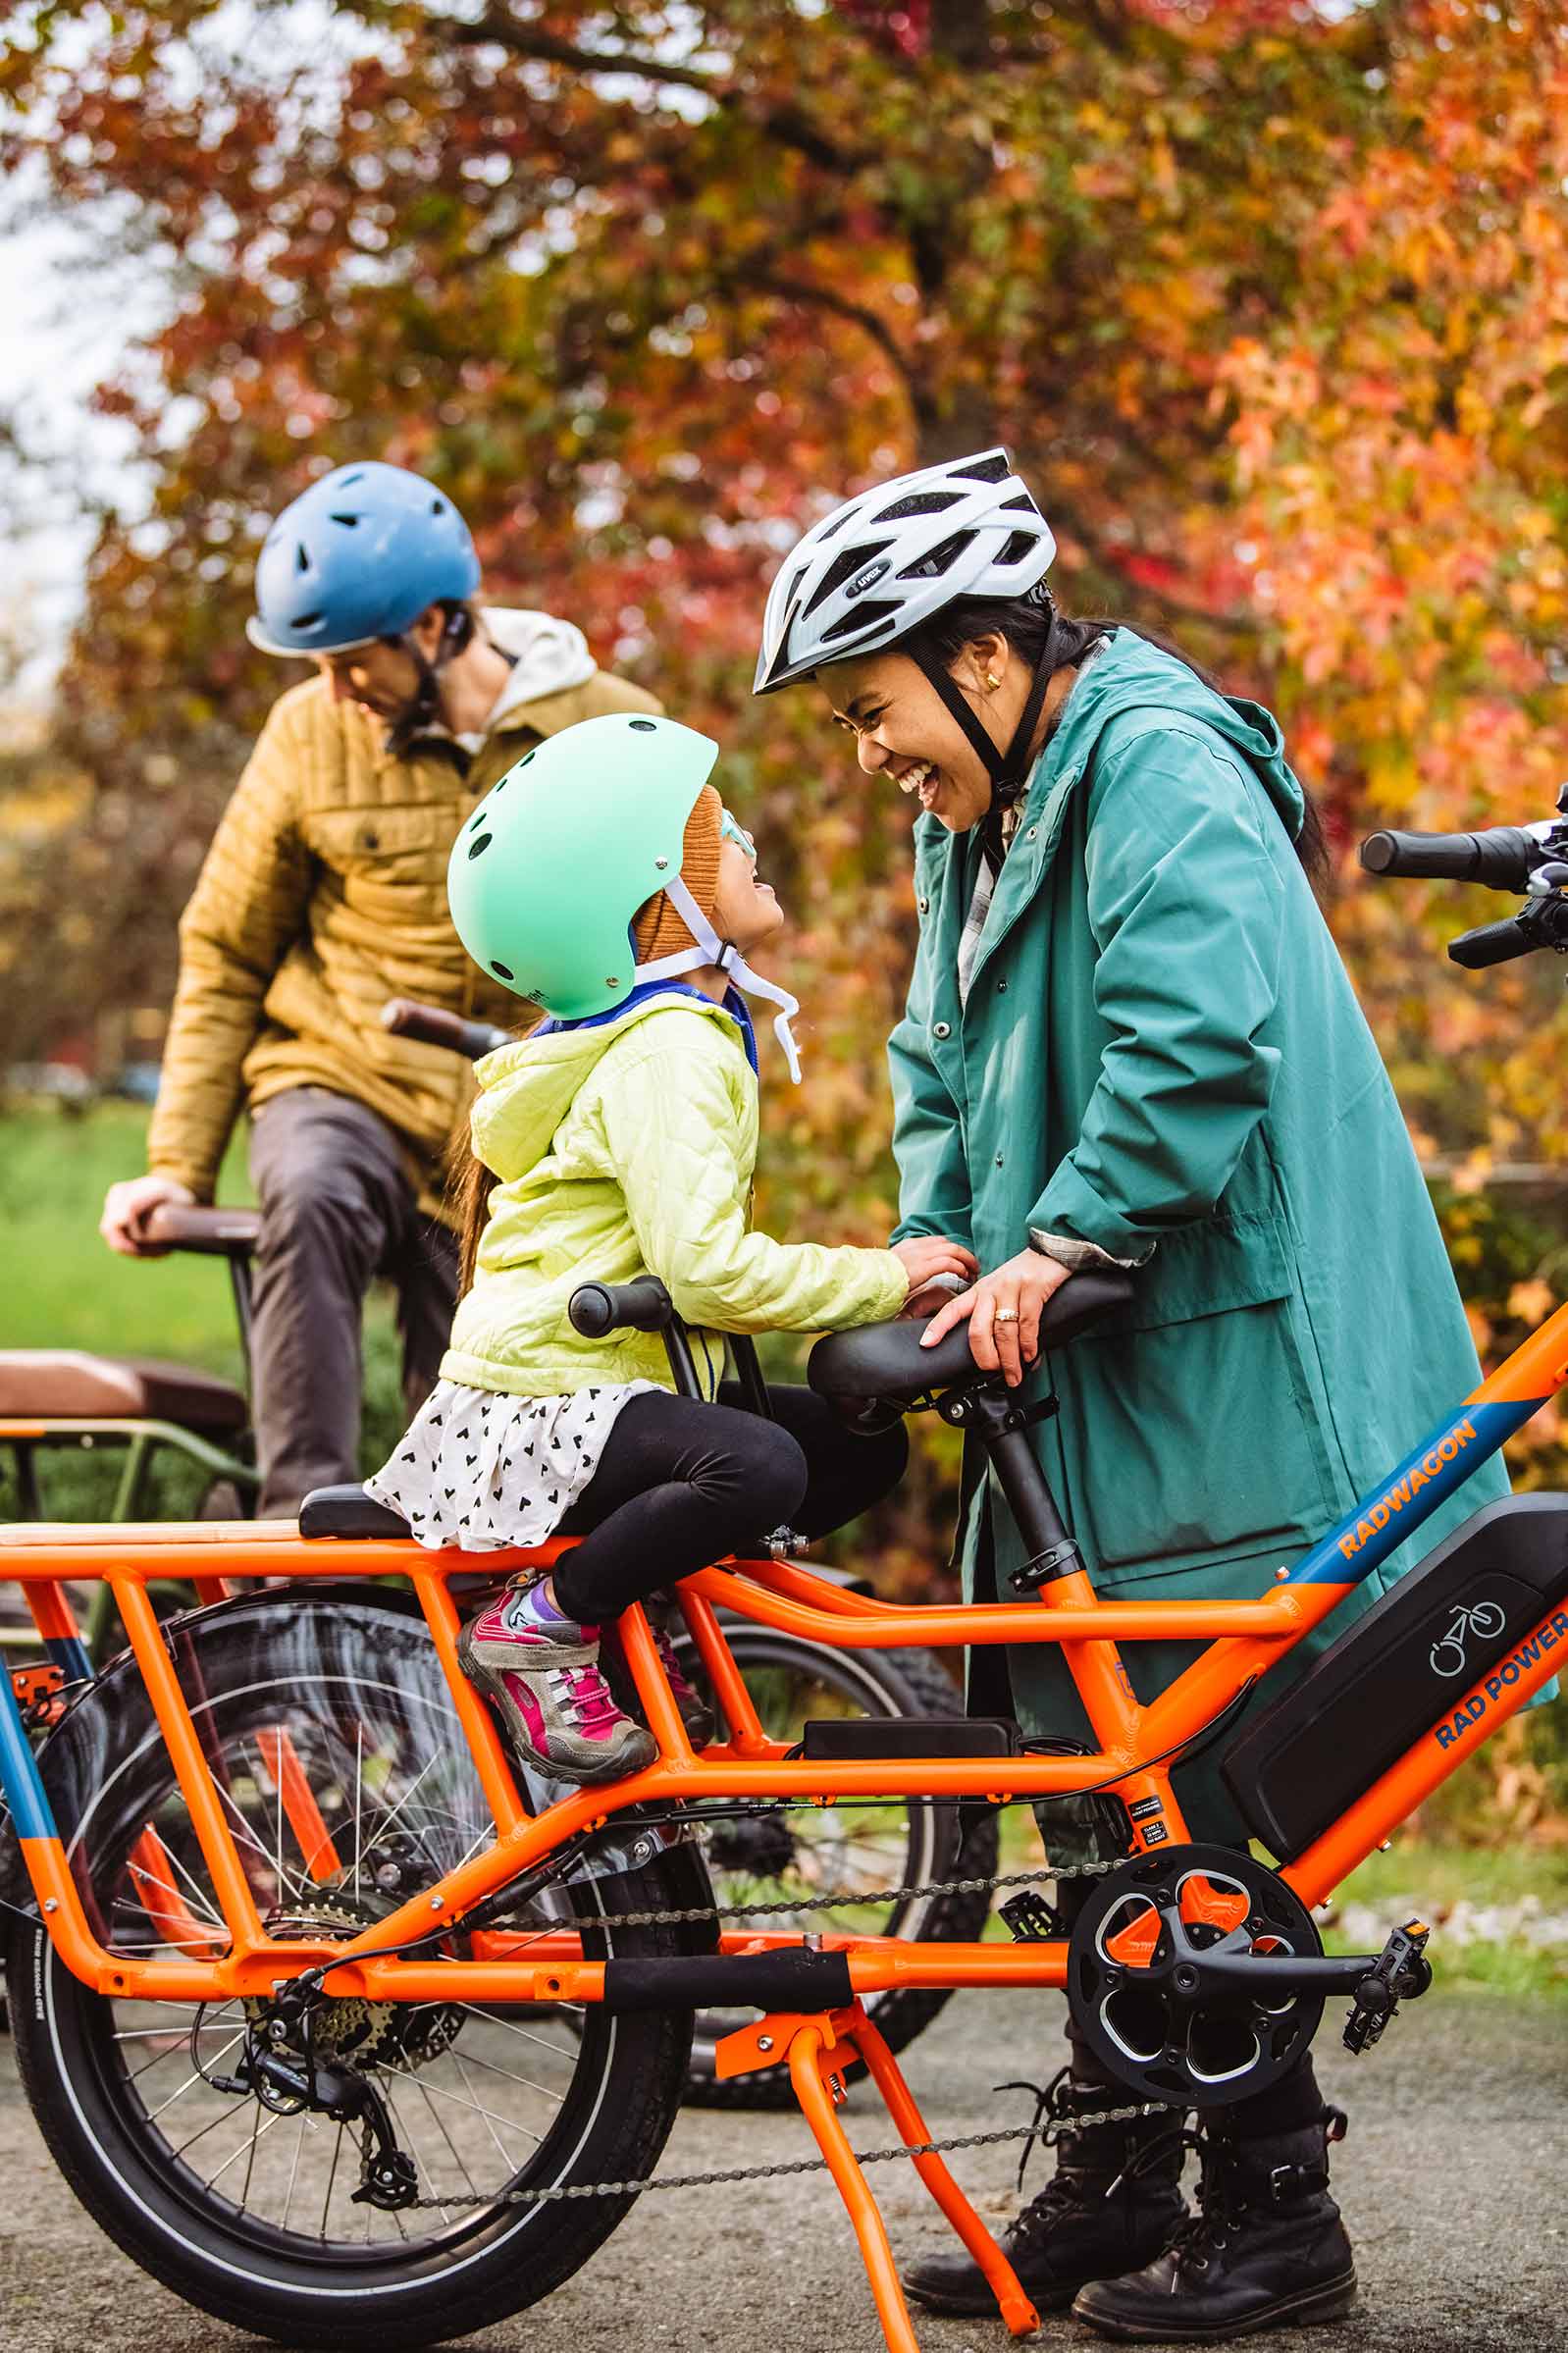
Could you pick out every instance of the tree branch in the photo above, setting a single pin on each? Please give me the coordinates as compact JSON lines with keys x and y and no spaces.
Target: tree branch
{"x":821,"y":297}
{"x":789,"y":125}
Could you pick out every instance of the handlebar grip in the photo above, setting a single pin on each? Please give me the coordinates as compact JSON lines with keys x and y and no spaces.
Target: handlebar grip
{"x":1491,"y":944}
{"x":434,"y":1026}
{"x":1502,"y":856}
{"x":212,"y":1232}
{"x":645,"y":1305}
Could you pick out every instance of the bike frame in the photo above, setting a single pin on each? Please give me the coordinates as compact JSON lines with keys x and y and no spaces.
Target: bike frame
{"x":1243,"y":1640}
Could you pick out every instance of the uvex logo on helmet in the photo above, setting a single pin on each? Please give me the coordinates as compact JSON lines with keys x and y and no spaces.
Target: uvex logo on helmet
{"x":868,"y":578}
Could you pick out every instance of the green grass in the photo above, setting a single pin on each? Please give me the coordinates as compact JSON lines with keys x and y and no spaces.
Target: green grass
{"x":65,"y":1289}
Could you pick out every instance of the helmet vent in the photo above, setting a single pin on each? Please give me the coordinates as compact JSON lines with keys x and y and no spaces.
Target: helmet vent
{"x":355,"y":476}
{"x":641,"y":726}
{"x":834,"y":523}
{"x":527,"y":757}
{"x":502,"y":971}
{"x":351,"y":520}
{"x":306,"y":620}
{"x":437,"y":506}
{"x":862,"y":619}
{"x":483,"y":843}
{"x":940,"y":559}
{"x":923,"y":502}
{"x":844,"y":568}
{"x":1023,"y":502}
{"x":301,"y":557}
{"x":994,"y":468}
{"x":1020,"y":545}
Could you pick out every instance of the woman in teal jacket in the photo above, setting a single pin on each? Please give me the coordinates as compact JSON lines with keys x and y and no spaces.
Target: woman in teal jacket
{"x":1130,"y":1039}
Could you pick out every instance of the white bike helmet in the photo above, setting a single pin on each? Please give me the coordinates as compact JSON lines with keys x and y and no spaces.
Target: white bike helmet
{"x":880,"y":565}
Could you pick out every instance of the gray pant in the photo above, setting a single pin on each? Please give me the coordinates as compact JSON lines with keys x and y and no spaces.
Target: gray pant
{"x":336,"y":1210}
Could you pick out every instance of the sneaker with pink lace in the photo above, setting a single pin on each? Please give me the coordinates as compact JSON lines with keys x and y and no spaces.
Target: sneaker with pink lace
{"x":542,"y":1673}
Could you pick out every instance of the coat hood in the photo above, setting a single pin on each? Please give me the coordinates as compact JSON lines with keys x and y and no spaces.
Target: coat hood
{"x":525,"y":1090}
{"x":1131,"y":675}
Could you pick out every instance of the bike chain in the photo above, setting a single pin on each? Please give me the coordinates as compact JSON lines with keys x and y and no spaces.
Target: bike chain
{"x":813,"y":2165}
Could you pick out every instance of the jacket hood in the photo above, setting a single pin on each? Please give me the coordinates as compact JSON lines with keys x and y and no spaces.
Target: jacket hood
{"x":1131,"y":674}
{"x":525,"y":1090}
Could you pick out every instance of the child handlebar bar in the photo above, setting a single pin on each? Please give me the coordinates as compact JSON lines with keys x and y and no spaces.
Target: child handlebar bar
{"x":1502,"y":856}
{"x":645,"y":1305}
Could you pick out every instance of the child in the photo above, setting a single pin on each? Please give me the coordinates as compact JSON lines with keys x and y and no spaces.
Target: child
{"x":603,"y":878}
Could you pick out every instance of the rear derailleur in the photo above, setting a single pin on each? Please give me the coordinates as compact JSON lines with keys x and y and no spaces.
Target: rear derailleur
{"x":281,"y":2067}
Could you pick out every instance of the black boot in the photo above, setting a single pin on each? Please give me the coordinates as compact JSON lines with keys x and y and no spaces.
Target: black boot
{"x":1112,"y":2203}
{"x":1268,"y":2248}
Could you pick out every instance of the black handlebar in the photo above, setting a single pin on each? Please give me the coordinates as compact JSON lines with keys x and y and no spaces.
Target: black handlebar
{"x":434,"y":1026}
{"x":645,"y":1305}
{"x":1503,"y":857}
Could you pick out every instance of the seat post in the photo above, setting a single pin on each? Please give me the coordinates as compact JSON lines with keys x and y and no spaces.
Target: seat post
{"x":1048,"y":1544}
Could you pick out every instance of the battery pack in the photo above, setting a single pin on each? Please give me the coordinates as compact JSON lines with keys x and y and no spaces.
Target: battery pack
{"x":1395,"y":1672}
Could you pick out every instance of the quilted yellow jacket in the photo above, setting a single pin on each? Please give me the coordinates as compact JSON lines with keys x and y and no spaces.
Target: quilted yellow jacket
{"x":324,"y":893}
{"x":623,"y":1150}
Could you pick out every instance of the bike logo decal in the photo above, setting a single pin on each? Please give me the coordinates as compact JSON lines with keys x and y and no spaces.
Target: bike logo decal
{"x":1395,"y":1497}
{"x":1547,"y":1635}
{"x":1485,"y":1620}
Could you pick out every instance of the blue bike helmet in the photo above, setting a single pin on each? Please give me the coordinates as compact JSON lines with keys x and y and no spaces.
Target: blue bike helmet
{"x":358,"y":557}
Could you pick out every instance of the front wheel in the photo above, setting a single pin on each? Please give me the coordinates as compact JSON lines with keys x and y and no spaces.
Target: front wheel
{"x":248,"y":2213}
{"x":848,"y":1854}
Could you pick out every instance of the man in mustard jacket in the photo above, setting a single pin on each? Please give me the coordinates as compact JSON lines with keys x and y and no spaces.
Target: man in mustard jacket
{"x":322,"y":895}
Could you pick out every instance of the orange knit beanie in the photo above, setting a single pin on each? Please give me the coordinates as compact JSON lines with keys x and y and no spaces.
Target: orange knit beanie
{"x":659,"y":931}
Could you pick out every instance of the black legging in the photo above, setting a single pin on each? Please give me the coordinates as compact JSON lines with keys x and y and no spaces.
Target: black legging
{"x":680,"y":1483}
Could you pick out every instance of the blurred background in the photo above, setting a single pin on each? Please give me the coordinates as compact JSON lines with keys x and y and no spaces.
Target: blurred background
{"x":1269,"y":297}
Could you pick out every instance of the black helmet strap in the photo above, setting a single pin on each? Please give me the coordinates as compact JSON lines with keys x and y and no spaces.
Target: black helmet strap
{"x":422,"y":710}
{"x":1006,"y":769}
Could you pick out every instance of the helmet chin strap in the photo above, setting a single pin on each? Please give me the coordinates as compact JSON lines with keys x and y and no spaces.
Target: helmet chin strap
{"x":711,"y":949}
{"x":1006,"y":769}
{"x":422,"y":710}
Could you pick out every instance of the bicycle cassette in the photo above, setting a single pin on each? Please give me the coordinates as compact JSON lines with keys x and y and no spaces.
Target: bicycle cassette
{"x":1178,"y":1975}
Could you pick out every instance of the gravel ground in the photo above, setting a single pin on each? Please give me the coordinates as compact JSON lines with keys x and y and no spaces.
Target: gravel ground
{"x":1452,"y":2183}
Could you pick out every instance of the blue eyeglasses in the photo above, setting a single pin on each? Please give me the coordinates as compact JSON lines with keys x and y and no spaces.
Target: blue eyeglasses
{"x":730,"y":830}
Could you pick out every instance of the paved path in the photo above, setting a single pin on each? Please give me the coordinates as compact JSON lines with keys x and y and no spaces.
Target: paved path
{"x":1452,"y":2183}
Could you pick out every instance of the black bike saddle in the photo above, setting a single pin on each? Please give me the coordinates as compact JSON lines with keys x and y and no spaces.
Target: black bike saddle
{"x":886,"y":1361}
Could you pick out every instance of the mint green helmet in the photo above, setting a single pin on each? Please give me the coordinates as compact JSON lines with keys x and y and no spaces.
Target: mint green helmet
{"x":547,"y":876}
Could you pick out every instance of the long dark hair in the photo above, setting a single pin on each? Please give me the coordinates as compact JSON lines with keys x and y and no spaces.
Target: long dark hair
{"x":1034,"y":627}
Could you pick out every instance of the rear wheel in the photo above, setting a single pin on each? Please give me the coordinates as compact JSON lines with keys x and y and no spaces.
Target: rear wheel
{"x":847,"y":1852}
{"x":247,"y":2212}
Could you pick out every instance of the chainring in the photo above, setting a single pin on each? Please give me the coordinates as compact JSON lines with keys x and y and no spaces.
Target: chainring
{"x":1130,"y":1967}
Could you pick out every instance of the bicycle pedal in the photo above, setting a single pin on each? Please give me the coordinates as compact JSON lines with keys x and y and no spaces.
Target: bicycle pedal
{"x":1029,"y":1918}
{"x":1401,"y":1972}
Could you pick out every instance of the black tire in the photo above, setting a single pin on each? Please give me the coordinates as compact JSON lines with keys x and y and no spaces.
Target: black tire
{"x":933,"y":1842}
{"x":603,"y":2088}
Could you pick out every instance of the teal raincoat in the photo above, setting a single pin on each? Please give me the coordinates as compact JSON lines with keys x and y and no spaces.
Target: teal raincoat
{"x":1162,"y":1054}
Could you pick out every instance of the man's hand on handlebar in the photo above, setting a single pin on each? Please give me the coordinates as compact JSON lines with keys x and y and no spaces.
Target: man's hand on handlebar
{"x":1003,"y":1311}
{"x":127,"y":1206}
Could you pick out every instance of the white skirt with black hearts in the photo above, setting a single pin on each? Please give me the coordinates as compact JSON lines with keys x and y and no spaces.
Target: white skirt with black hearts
{"x":480,"y":1470}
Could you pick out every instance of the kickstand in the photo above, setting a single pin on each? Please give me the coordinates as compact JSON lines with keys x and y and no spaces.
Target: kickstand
{"x":818,"y":2049}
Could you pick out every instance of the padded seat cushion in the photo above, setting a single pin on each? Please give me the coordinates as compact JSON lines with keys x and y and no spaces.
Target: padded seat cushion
{"x":886,"y":1360}
{"x":69,"y":1384}
{"x":349,"y":1512}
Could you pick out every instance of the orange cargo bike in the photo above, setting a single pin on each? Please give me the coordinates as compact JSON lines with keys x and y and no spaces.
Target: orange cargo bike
{"x":355,"y":2033}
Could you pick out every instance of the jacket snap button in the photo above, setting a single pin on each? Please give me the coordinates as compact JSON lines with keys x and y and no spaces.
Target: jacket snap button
{"x":999,"y":1160}
{"x":1034,"y":830}
{"x":941,"y":1029}
{"x":923,"y":905}
{"x":1000,"y":987}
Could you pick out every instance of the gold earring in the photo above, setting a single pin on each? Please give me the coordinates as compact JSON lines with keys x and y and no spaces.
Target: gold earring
{"x":992,"y":681}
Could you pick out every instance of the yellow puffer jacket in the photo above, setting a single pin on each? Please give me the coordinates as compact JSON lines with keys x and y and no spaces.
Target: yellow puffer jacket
{"x":324,"y":893}
{"x":627,"y":1149}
